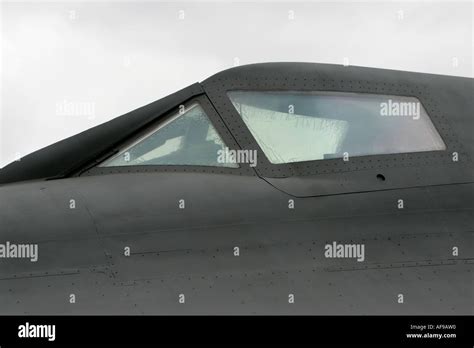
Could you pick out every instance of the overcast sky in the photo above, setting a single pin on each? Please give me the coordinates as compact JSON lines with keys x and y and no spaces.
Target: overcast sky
{"x":66,"y":67}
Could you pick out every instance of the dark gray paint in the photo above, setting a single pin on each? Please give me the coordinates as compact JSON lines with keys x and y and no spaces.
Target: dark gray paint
{"x":190,"y":251}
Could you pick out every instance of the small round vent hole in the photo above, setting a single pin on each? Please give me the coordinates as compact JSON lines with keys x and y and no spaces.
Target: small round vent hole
{"x":380,"y":177}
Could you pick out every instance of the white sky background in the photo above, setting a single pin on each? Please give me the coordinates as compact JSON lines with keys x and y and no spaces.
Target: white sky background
{"x":118,"y":56}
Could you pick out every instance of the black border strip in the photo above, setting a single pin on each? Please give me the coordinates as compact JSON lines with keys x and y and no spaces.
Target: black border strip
{"x":240,"y":329}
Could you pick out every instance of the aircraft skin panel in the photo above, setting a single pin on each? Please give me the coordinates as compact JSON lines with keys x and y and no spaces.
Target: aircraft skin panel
{"x":349,"y":293}
{"x":191,"y":251}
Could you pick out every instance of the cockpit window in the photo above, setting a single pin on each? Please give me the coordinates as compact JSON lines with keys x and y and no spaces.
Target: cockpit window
{"x":186,"y":138}
{"x":306,"y":126}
